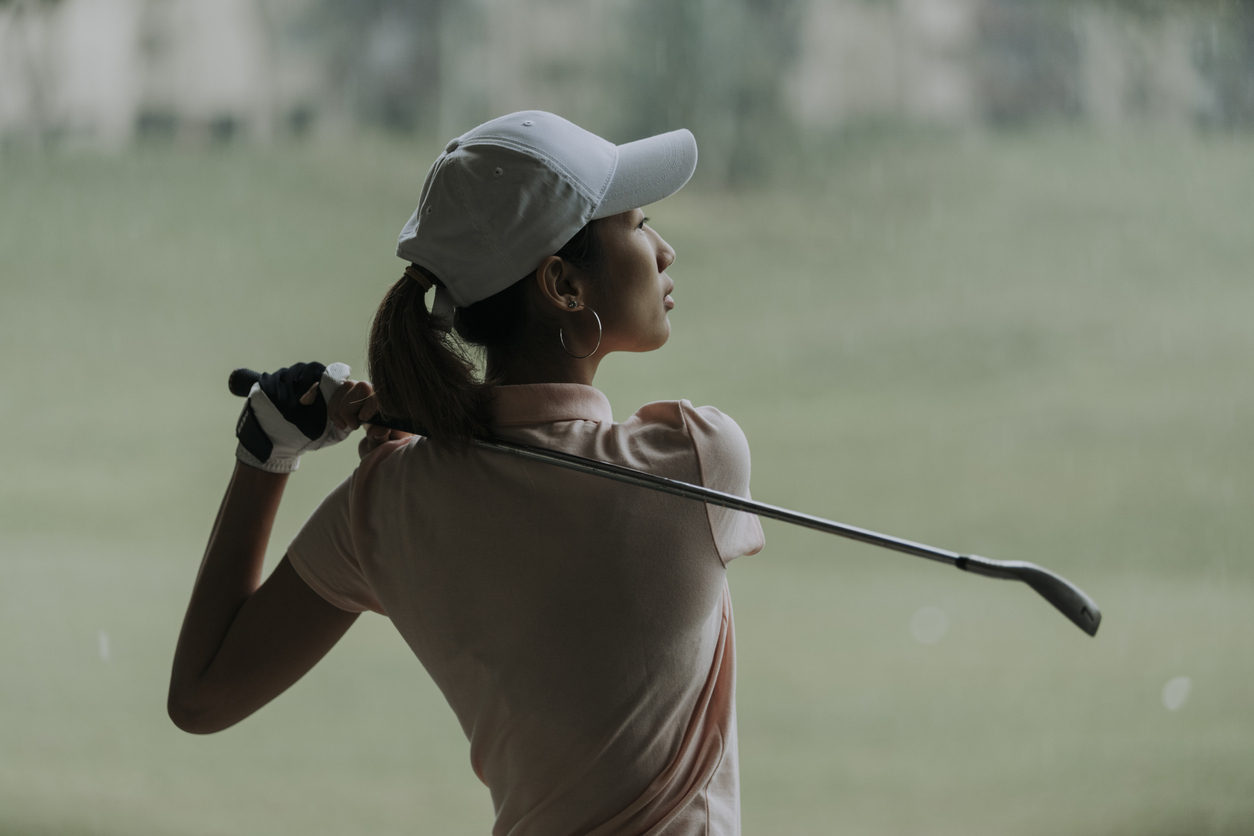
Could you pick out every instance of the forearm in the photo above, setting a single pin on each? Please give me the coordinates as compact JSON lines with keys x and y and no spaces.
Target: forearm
{"x":244,"y":642}
{"x":229,"y":574}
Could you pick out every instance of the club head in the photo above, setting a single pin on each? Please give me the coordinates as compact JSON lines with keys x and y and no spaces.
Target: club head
{"x":1066,"y":597}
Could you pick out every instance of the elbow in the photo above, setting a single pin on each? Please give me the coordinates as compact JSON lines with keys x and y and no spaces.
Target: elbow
{"x":190,"y":718}
{"x":186,"y":719}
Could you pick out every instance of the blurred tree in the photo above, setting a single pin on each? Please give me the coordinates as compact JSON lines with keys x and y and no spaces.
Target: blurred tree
{"x":717,"y":67}
{"x":1167,"y":62}
{"x":27,"y":31}
{"x":384,"y":55}
{"x":1028,"y":66}
{"x":1227,"y":60}
{"x":720,"y":67}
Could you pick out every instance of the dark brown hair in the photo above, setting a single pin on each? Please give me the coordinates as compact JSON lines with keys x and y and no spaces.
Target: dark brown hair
{"x":425,"y":375}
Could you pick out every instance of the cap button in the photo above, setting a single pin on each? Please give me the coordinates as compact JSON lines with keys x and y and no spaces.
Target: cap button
{"x":452,"y":146}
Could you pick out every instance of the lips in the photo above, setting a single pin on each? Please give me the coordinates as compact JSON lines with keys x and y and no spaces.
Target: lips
{"x":666,"y":299}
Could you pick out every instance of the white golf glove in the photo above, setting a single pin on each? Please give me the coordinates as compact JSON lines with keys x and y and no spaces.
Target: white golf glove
{"x":275,"y":428}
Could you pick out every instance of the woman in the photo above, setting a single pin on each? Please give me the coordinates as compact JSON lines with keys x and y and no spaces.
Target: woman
{"x":580,"y":629}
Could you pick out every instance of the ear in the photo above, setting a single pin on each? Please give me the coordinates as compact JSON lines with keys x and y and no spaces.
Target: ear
{"x":560,"y":284}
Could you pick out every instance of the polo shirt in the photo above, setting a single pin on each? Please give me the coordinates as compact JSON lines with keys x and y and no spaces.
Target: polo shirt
{"x":580,"y":629}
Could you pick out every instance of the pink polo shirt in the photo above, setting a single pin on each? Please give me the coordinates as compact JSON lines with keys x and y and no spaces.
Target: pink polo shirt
{"x":581,"y":629}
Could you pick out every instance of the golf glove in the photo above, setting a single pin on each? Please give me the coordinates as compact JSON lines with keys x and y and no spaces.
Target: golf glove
{"x":275,"y":428}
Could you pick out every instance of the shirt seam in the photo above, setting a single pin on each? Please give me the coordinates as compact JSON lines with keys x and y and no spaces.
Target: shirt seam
{"x":696,"y":451}
{"x":317,"y":584}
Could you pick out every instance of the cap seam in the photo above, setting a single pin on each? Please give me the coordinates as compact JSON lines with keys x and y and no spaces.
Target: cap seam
{"x":515,"y":145}
{"x":497,"y":255}
{"x":609,"y":178}
{"x":432,"y":174}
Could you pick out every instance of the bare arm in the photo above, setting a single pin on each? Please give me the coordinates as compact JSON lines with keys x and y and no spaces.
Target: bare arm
{"x":244,"y":642}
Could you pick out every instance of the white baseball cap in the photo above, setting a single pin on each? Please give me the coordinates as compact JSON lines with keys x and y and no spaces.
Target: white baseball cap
{"x":512,"y":191}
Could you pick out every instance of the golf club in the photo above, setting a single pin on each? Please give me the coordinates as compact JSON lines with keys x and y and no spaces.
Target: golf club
{"x":1069,"y":599}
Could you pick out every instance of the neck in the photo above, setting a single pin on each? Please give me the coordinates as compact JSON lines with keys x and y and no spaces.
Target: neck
{"x":513,"y":371}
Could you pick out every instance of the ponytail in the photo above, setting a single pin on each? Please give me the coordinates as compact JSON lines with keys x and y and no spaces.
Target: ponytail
{"x":421,"y":373}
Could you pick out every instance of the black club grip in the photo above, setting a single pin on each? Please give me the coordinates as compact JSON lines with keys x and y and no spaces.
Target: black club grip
{"x":241,"y":383}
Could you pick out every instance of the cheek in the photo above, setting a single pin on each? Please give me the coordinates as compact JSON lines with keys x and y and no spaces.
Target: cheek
{"x":635,"y":313}
{"x":646,"y":301}
{"x":651,"y":316}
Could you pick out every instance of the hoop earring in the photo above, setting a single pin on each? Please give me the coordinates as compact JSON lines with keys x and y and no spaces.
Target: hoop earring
{"x":562,"y":338}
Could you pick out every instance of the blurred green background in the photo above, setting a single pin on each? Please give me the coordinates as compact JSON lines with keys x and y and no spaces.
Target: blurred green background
{"x":1029,"y":346}
{"x":1019,"y":326}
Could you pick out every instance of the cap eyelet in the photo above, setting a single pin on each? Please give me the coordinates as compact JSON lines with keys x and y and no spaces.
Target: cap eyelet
{"x":498,"y":171}
{"x":430,"y":209}
{"x":528,"y":123}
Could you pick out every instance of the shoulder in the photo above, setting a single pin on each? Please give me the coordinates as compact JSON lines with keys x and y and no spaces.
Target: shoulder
{"x":721,"y":454}
{"x":383,"y":463}
{"x":710,"y":422}
{"x":716,"y":438}
{"x":682,"y":415}
{"x":721,"y":445}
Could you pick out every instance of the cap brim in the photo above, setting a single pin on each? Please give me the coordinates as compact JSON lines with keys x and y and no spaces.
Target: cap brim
{"x":649,"y":170}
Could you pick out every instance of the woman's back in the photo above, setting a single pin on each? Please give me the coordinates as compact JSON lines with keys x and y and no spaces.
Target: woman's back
{"x":579,"y":628}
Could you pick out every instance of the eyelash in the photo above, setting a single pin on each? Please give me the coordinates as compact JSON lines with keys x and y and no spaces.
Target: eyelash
{"x":643,"y":221}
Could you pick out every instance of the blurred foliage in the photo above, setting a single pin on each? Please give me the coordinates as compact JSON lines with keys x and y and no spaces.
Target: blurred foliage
{"x":718,"y":69}
{"x":727,"y":69}
{"x":1227,"y":59}
{"x":721,"y":68}
{"x":384,"y":55}
{"x":1027,"y":68}
{"x":1030,"y":56}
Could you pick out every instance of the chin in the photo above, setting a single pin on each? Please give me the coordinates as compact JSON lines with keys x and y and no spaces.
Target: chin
{"x":661,"y":341}
{"x":653,"y":343}
{"x":651,"y":338}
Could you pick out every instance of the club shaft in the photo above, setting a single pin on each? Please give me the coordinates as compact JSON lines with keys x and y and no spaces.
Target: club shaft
{"x":242,"y":380}
{"x":726,"y":500}
{"x":1069,"y":599}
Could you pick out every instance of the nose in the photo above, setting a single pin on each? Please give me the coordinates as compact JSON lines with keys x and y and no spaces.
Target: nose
{"x":665,"y":255}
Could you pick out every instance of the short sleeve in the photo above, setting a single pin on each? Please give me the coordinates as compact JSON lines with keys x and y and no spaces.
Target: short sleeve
{"x":723,"y":457}
{"x":323,"y":554}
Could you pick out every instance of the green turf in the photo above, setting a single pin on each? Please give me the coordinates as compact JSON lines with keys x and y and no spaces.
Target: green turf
{"x":1030,"y":346}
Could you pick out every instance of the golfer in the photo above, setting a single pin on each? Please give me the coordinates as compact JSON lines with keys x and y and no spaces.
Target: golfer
{"x":580,"y":629}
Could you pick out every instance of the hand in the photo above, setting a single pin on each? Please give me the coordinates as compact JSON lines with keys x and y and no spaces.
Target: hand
{"x":352,"y":406}
{"x":287,"y":414}
{"x":377,"y":437}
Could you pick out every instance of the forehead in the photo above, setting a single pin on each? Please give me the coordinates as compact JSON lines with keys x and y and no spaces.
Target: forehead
{"x":620,"y":225}
{"x":630,"y":217}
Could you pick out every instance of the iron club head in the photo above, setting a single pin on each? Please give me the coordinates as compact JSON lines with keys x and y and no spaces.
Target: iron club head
{"x":1068,"y":598}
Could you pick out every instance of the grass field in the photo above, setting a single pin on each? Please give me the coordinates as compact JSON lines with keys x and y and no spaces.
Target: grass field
{"x":1033,"y":346}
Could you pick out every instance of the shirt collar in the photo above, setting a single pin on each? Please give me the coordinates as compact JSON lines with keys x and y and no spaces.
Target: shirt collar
{"x":543,"y":403}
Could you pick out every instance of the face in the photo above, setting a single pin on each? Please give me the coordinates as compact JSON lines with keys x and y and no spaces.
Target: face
{"x":633,"y":297}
